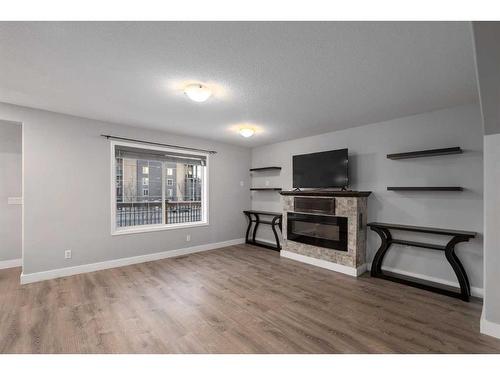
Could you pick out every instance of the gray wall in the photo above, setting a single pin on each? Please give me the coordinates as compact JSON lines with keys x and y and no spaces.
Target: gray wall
{"x":10,"y":186}
{"x":67,"y":192}
{"x":371,"y":170}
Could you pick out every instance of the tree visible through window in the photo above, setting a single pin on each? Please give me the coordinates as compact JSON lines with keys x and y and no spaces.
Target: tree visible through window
{"x":141,"y":179}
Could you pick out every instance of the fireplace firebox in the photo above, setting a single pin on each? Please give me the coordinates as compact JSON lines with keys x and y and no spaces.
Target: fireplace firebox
{"x":318,"y":230}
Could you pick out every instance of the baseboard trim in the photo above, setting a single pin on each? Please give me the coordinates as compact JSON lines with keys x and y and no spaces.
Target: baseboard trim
{"x":91,"y":267}
{"x":475,"y":291}
{"x":324,"y":263}
{"x":11,"y":263}
{"x":489,"y":328}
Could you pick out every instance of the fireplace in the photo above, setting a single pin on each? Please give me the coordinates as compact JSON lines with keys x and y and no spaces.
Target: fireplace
{"x":326,"y":228}
{"x":318,"y":230}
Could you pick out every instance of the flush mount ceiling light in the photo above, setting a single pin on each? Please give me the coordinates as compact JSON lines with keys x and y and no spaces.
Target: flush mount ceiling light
{"x":197,"y":92}
{"x":247,"y":132}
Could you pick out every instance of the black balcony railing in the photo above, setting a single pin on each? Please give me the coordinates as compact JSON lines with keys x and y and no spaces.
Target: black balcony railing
{"x":148,"y":213}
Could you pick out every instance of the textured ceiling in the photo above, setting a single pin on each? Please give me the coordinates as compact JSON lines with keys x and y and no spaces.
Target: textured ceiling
{"x":290,"y":79}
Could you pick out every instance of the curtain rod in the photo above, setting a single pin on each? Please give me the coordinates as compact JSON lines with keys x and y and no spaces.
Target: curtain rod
{"x":157,"y":144}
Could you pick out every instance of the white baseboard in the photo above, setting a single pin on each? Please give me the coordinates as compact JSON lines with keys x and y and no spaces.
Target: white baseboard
{"x":474,"y":291}
{"x":324,"y":263}
{"x":11,"y":263}
{"x":489,"y":328}
{"x":84,"y":268}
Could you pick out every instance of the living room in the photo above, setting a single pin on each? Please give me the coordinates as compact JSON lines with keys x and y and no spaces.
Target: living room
{"x":258,"y":187}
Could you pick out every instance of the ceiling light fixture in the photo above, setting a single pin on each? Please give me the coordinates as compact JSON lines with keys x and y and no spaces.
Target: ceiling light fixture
{"x":197,"y":92}
{"x":247,"y":132}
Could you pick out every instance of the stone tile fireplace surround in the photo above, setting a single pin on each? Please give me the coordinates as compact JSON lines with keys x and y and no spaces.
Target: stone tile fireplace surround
{"x":349,"y":204}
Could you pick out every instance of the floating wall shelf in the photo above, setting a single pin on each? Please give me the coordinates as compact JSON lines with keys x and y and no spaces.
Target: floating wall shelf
{"x":425,"y":188}
{"x":425,"y":153}
{"x":265,"y":169}
{"x":265,"y":189}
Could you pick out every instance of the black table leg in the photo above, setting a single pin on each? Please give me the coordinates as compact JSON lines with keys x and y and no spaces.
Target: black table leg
{"x":257,"y":222}
{"x":385,"y":237}
{"x":275,"y":219}
{"x":457,"y":266}
{"x":247,"y":240}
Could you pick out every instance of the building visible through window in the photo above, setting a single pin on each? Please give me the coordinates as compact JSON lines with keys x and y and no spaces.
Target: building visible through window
{"x":141,"y":181}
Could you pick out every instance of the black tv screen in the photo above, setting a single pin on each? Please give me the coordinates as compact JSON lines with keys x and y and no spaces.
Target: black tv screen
{"x":328,"y":169}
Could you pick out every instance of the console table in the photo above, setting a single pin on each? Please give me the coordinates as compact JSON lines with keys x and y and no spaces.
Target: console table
{"x":255,"y":217}
{"x":383,"y":230}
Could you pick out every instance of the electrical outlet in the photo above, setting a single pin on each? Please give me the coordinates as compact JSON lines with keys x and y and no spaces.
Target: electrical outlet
{"x":188,"y":237}
{"x":67,"y":254}
{"x":267,"y":182}
{"x":242,"y":183}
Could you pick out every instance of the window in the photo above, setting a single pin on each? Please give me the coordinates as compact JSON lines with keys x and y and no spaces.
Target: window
{"x":144,"y":203}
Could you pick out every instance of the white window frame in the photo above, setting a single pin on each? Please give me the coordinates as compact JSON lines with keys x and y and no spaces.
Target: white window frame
{"x":170,"y":182}
{"x":145,"y":169}
{"x":157,"y":227}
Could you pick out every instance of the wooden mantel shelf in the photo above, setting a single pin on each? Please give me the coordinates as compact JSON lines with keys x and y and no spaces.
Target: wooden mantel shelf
{"x":326,"y":193}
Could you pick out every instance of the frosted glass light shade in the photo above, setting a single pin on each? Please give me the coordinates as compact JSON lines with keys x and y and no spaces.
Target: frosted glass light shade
{"x":247,"y":132}
{"x":197,"y":92}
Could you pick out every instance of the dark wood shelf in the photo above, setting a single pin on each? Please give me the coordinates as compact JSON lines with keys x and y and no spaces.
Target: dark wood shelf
{"x":265,"y":189}
{"x":422,"y":284}
{"x":264,"y":244}
{"x":419,"y":229}
{"x":267,"y":213}
{"x":326,"y":193}
{"x":419,"y":244}
{"x":425,"y":188}
{"x":425,"y":153}
{"x":265,"y":169}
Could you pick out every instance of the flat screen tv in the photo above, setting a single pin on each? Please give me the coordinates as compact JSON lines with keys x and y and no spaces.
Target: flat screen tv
{"x":328,"y":169}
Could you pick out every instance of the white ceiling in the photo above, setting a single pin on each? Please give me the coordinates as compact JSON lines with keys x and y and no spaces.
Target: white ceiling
{"x":291,"y":79}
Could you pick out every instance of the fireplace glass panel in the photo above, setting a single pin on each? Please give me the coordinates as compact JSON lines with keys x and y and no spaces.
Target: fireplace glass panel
{"x":318,"y":230}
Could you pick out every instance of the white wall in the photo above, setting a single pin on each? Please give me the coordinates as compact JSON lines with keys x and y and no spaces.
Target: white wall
{"x":371,"y":170}
{"x":10,"y":186}
{"x":67,"y":192}
{"x":491,"y":308}
{"x":487,"y":53}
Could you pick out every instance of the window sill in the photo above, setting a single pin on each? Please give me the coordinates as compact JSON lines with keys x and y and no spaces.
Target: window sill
{"x":156,"y":228}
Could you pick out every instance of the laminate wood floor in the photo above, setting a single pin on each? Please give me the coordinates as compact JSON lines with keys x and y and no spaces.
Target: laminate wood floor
{"x":239,"y":299}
